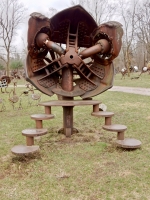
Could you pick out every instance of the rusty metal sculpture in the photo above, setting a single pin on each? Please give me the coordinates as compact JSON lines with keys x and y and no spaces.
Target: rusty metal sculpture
{"x":70,"y":55}
{"x":56,"y":56}
{"x":59,"y":47}
{"x":4,"y":82}
{"x":145,"y":69}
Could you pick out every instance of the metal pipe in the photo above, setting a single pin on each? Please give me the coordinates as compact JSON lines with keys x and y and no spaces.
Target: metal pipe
{"x":42,"y":40}
{"x":55,"y":47}
{"x":102,"y":46}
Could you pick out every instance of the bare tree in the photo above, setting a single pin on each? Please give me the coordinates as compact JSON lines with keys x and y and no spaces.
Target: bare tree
{"x":52,"y":11}
{"x":100,"y":10}
{"x":143,"y":33}
{"x":127,"y":12}
{"x":11,"y":16}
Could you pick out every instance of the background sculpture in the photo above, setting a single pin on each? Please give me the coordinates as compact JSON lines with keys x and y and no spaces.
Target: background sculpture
{"x":70,"y":55}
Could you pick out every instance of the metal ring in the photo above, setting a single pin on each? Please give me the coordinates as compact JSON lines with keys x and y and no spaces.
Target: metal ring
{"x":102,"y":48}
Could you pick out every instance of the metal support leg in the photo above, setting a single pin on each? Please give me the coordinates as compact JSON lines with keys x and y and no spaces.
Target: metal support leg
{"x":96,"y":108}
{"x":47,"y":109}
{"x":68,"y":120}
{"x":29,"y":141}
{"x":107,"y":120}
{"x":39,"y":124}
{"x":120,"y":136}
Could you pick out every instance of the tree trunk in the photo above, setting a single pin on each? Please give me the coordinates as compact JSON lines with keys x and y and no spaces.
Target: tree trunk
{"x":7,"y":64}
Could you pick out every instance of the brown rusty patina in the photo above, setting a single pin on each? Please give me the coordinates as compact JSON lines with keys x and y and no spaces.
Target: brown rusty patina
{"x":58,"y":50}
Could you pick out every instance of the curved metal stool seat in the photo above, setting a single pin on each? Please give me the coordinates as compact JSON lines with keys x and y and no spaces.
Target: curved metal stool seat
{"x":31,"y":133}
{"x":40,"y":117}
{"x":120,"y":129}
{"x":22,"y":149}
{"x":129,"y":143}
{"x":108,"y":115}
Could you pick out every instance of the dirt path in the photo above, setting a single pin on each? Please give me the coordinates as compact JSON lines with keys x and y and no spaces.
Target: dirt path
{"x":133,"y":90}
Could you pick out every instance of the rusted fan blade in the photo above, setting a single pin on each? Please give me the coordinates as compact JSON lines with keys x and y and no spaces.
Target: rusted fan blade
{"x":104,"y":84}
{"x":75,"y":92}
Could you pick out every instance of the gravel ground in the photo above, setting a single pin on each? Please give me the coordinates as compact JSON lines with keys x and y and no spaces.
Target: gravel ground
{"x":133,"y":90}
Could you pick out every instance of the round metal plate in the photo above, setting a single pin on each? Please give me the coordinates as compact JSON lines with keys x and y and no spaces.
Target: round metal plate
{"x":130,"y":143}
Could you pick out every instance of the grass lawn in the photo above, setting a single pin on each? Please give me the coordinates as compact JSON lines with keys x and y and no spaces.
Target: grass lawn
{"x":131,"y":81}
{"x":87,"y":166}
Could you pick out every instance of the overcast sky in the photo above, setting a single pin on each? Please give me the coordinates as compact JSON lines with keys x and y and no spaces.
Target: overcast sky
{"x":41,"y":6}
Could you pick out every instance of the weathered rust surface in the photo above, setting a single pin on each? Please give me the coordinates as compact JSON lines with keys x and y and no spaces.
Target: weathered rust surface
{"x":70,"y":55}
{"x":70,"y":103}
{"x":68,"y":106}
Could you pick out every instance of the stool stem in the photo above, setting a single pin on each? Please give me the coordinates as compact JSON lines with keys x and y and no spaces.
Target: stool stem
{"x":107,"y":120}
{"x":120,"y":135}
{"x":39,"y":124}
{"x":29,"y":141}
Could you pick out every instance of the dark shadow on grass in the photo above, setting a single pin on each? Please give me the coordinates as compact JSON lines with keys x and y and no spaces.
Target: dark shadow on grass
{"x":26,"y":158}
{"x":112,"y":147}
{"x":126,"y":149}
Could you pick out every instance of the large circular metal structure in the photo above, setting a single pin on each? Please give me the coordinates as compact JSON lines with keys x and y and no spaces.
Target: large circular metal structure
{"x":70,"y":55}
